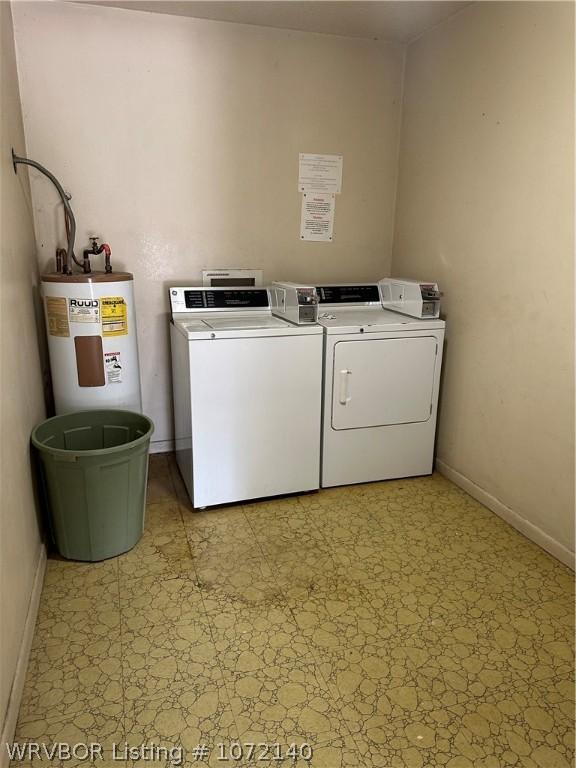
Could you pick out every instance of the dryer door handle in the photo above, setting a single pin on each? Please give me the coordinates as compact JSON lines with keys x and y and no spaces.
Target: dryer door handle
{"x":345,"y":396}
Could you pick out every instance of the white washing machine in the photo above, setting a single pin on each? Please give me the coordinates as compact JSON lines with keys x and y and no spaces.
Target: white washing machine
{"x":247,"y":396}
{"x":381,"y":382}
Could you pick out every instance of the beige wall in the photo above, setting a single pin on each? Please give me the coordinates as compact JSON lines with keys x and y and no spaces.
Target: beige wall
{"x":179,"y":140}
{"x":485,"y":207}
{"x":22,"y":404}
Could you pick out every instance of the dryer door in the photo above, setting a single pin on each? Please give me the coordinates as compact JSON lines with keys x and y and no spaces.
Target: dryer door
{"x":378,"y":382}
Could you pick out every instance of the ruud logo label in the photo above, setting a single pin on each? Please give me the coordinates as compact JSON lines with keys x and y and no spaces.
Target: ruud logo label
{"x":84,"y":310}
{"x":84,"y":303}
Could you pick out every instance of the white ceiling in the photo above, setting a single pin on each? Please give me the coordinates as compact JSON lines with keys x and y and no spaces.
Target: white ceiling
{"x":400,"y":20}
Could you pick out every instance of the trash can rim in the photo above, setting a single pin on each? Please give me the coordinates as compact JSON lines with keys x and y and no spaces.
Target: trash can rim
{"x":93,"y":451}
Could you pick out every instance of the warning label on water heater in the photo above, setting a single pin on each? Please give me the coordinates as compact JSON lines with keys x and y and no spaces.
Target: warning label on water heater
{"x":84,"y":310}
{"x":113,"y":367}
{"x":114,"y":316}
{"x":57,"y":316}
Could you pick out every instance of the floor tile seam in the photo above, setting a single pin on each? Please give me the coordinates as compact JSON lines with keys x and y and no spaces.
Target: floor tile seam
{"x":341,"y":560}
{"x":202,"y":566}
{"x":298,"y":556}
{"x":214,"y":628}
{"x":56,"y":610}
{"x":180,"y":506}
{"x":217,"y":539}
{"x":414,"y":671}
{"x":65,"y":717}
{"x":450,"y":708}
{"x":184,"y":502}
{"x":225,"y":540}
{"x":330,"y":686}
{"x":472,"y":704}
{"x":269,"y":561}
{"x":82,"y":587}
{"x":459,"y":619}
{"x":172,"y":623}
{"x":163,"y":500}
{"x":158,"y":577}
{"x":171,"y":476}
{"x":55,"y":587}
{"x":60,"y":592}
{"x":122,"y":648}
{"x":503,"y":601}
{"x":295,"y":558}
{"x":311,"y":519}
{"x":226,"y":685}
{"x":324,"y":511}
{"x":212,"y":524}
{"x":185,"y":507}
{"x":501,"y":604}
{"x":175,"y":535}
{"x":211,"y":627}
{"x":455,"y":567}
{"x":519,"y":686}
{"x":307,"y":525}
{"x":512,"y":683}
{"x":190,"y":552}
{"x":417,"y":629}
{"x":362,"y":760}
{"x":59,"y":642}
{"x":405,"y":527}
{"x":160,"y":526}
{"x":229,"y":690}
{"x":434,"y":543}
{"x":162,"y":479}
{"x":178,"y":496}
{"x":287,"y":665}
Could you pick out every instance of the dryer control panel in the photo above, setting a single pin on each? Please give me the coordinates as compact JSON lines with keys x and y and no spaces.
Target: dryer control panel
{"x":358,"y":294}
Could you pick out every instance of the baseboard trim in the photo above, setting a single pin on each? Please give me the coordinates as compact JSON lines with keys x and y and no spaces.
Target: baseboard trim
{"x":531,"y":531}
{"x":9,"y":726}
{"x":161,"y":446}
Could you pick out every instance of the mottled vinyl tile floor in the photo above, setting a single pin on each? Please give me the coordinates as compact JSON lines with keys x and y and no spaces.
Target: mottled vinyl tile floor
{"x":397,"y":624}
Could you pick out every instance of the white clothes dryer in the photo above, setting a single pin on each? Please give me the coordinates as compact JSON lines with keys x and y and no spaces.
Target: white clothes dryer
{"x":381,"y":383}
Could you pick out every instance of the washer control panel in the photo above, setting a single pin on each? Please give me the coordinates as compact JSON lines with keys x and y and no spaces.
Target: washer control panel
{"x":197,"y":299}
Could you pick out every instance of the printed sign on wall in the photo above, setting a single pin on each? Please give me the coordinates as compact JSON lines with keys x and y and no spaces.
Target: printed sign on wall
{"x":317,"y":220}
{"x":320,"y":180}
{"x":320,"y":173}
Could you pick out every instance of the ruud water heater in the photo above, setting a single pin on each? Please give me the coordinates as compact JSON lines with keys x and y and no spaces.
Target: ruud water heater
{"x":91,"y":326}
{"x":90,"y":322}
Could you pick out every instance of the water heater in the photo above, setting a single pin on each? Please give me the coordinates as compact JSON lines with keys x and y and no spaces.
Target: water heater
{"x":91,"y":327}
{"x":91,"y":323}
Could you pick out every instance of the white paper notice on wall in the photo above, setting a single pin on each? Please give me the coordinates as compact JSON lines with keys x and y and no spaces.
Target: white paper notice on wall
{"x":317,"y":221}
{"x":320,"y":173}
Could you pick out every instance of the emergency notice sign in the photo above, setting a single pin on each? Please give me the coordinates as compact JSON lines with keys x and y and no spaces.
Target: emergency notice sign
{"x":114,"y":313}
{"x":317,"y":219}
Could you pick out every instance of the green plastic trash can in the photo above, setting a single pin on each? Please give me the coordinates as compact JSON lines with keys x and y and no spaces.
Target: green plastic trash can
{"x":95,"y":466}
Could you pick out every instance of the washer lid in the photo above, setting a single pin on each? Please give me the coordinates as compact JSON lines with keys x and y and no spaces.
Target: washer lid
{"x":245,"y":322}
{"x":237,"y":326}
